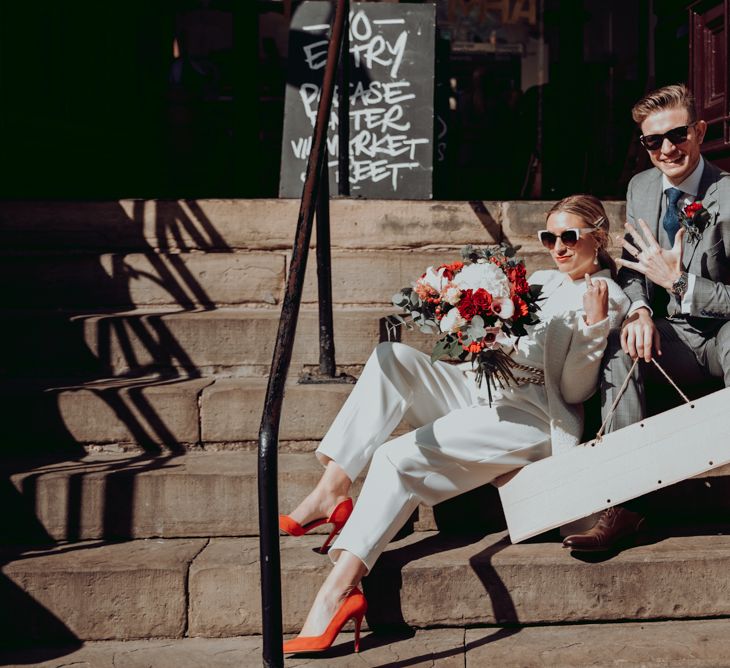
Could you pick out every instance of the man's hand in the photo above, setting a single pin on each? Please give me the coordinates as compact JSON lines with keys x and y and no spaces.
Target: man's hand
{"x":662,"y":267}
{"x":595,"y":300}
{"x":639,"y":335}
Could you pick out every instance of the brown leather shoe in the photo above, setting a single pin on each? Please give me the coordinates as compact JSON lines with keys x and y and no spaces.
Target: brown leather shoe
{"x":615,"y":527}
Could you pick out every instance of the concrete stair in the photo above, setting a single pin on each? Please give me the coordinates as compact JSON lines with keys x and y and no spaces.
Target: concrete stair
{"x":141,"y":547}
{"x":127,"y":496}
{"x":252,"y":225}
{"x":210,"y":587}
{"x":224,"y":341}
{"x":155,"y":413}
{"x":685,"y":644}
{"x":141,"y":335}
{"x":121,"y":497}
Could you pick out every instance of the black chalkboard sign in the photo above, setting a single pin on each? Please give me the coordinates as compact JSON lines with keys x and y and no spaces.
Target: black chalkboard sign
{"x":391,"y":81}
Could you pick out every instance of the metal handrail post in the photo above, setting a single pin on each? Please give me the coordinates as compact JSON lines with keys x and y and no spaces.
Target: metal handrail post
{"x":343,"y":118}
{"x":324,"y":279}
{"x":269,"y":553}
{"x":327,"y":366}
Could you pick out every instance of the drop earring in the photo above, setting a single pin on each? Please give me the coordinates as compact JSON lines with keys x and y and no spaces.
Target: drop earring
{"x":595,"y":257}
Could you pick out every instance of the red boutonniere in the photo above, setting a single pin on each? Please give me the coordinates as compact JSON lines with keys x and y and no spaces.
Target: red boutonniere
{"x":693,"y":218}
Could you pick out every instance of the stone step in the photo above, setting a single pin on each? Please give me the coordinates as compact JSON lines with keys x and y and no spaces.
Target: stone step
{"x":428,"y":579}
{"x":217,"y":279}
{"x":215,"y":494}
{"x":95,"y":591}
{"x":125,"y":281}
{"x":165,"y":225}
{"x":680,"y":644}
{"x":156,"y":413}
{"x":198,"y":588}
{"x":117,"y":497}
{"x":373,"y":277}
{"x":226,"y":341}
{"x":153,"y":413}
{"x":145,"y":414}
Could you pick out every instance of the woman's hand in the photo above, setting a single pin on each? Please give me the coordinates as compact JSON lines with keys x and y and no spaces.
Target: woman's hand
{"x":595,"y":301}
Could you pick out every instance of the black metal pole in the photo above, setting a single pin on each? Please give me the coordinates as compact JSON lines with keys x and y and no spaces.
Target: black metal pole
{"x":324,"y":278}
{"x":273,"y":630}
{"x":272,"y":627}
{"x":343,"y":118}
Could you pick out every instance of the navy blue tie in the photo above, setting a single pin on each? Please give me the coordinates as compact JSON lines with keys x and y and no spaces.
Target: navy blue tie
{"x":671,"y":218}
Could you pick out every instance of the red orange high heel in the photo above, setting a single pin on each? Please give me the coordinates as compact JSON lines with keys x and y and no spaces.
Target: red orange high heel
{"x":337,"y":518}
{"x":353,"y":607}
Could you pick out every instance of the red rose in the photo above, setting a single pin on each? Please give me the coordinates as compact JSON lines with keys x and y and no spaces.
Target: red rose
{"x":520,"y":307}
{"x":516,"y":271}
{"x":450,"y":270}
{"x":517,"y":278}
{"x":475,"y":302}
{"x":520,"y":287}
{"x":691,"y":209}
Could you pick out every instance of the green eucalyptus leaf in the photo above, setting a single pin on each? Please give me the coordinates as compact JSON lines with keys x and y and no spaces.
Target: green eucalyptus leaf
{"x":454,"y":348}
{"x":439,"y":350}
{"x":476,"y":328}
{"x":399,"y":299}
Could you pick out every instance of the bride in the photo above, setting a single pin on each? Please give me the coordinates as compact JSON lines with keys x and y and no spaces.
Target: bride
{"x":460,"y":441}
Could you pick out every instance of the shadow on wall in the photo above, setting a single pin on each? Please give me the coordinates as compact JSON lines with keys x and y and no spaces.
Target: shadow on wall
{"x":66,"y":265}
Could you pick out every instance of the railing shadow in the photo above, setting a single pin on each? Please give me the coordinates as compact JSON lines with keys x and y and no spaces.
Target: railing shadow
{"x":50,"y":355}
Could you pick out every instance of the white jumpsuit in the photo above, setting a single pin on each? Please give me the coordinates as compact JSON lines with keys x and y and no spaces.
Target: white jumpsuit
{"x":459,"y":442}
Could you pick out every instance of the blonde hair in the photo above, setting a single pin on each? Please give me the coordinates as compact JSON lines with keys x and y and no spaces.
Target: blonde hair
{"x":668,"y":97}
{"x":590,"y":210}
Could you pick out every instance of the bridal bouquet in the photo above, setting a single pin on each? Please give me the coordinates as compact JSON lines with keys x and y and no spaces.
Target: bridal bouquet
{"x":474,"y":305}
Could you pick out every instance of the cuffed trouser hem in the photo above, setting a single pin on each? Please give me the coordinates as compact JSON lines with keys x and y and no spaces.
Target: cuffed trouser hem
{"x":383,"y":507}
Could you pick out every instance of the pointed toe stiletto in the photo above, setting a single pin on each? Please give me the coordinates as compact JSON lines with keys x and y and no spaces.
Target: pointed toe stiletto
{"x":337,"y":518}
{"x":353,"y":607}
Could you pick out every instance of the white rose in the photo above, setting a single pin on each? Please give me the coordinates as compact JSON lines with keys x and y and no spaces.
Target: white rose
{"x":452,"y":321}
{"x":451,"y":295}
{"x":434,"y":279}
{"x":487,"y":276}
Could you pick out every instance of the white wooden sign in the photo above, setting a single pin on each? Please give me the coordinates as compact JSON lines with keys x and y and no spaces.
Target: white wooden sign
{"x":659,"y":451}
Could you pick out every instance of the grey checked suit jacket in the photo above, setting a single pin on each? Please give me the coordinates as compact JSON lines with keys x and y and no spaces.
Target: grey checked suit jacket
{"x":708,"y":258}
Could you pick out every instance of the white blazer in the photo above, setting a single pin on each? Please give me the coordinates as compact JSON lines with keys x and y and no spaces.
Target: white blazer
{"x":573,"y":354}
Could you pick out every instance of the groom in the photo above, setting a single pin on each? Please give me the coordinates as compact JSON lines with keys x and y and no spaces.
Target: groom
{"x":675,"y":269}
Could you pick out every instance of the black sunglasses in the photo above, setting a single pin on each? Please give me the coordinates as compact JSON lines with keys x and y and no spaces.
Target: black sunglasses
{"x":569,"y":237}
{"x":675,"y":136}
